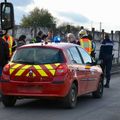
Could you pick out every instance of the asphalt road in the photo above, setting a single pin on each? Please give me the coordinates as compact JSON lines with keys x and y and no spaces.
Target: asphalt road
{"x":88,"y":108}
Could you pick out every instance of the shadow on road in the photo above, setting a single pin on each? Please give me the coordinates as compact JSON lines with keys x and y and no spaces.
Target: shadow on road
{"x":51,"y":104}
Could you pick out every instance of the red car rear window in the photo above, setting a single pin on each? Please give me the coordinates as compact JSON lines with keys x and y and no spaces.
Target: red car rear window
{"x":37,"y":55}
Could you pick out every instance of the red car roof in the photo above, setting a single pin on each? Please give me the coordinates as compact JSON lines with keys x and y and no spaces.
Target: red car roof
{"x":61,"y":45}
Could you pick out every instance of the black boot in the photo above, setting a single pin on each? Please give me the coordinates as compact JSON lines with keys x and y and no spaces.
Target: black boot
{"x":106,"y":85}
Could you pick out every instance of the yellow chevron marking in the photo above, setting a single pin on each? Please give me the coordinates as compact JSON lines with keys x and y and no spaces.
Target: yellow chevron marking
{"x":11,"y":71}
{"x":20,"y":72}
{"x":52,"y":72}
{"x":50,"y":68}
{"x":40,"y":70}
{"x":14,"y":67}
{"x":17,"y":65}
{"x":57,"y":64}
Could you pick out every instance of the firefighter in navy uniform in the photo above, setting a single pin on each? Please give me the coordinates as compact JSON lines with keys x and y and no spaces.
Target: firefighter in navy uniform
{"x":106,"y":57}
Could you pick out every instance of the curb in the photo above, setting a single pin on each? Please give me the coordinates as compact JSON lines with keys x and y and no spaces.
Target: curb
{"x":115,"y":72}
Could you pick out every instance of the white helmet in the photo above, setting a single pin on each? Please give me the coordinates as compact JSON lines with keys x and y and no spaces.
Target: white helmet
{"x":82,"y":33}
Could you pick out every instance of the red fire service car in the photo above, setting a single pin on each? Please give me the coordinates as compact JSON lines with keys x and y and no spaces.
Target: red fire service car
{"x":55,"y":70}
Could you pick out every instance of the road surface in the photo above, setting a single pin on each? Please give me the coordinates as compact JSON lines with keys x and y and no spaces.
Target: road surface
{"x":88,"y":108}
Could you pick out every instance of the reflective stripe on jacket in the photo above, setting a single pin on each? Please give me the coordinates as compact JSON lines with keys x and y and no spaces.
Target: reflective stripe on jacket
{"x":10,"y":43}
{"x":86,"y":44}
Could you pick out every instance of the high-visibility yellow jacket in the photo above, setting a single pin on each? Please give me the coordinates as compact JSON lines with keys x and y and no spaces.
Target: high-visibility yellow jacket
{"x":10,"y":43}
{"x":86,"y":44}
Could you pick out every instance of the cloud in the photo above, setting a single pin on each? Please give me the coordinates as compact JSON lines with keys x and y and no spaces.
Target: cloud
{"x":18,"y":15}
{"x":21,"y":2}
{"x":75,"y":11}
{"x":75,"y":17}
{"x":20,"y":7}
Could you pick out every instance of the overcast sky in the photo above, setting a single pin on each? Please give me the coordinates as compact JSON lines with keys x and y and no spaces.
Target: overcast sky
{"x":88,"y":13}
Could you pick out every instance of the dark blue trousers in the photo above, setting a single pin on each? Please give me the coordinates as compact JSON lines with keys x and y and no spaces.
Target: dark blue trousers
{"x":106,"y":67}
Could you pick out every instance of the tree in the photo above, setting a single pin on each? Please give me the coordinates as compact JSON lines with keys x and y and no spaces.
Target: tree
{"x":67,"y":27}
{"x":38,"y":18}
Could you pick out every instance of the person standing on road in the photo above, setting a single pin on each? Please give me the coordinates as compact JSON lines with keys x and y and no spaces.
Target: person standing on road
{"x":71,"y":38}
{"x":38,"y":38}
{"x":4,"y":53}
{"x":84,"y":41}
{"x":93,"y":45}
{"x":50,"y":36}
{"x":21,"y":41}
{"x":44,"y":39}
{"x":11,"y":42}
{"x":106,"y":57}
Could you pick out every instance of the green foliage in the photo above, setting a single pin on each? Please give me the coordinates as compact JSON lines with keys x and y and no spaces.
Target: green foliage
{"x":38,"y":18}
{"x":66,"y":28}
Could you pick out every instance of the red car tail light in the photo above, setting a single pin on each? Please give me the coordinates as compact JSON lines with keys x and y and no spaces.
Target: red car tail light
{"x":60,"y":74}
{"x":6,"y":72}
{"x":61,"y":70}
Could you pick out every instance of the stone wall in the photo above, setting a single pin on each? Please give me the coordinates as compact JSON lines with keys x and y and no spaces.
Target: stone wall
{"x":97,"y":37}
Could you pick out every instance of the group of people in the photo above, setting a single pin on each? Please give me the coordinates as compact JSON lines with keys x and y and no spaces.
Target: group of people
{"x":84,"y":40}
{"x":49,"y":37}
{"x":8,"y":46}
{"x":105,"y":55}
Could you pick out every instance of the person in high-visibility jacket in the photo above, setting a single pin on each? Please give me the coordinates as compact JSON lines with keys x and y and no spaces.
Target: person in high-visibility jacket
{"x":12,"y":45}
{"x":93,"y":45}
{"x":84,"y":41}
{"x":4,"y":53}
{"x":38,"y":38}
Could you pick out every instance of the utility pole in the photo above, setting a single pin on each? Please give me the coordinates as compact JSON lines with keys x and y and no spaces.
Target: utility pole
{"x":91,"y":25}
{"x":93,"y":33}
{"x":100,"y":27}
{"x":112,"y":35}
{"x":118,"y":48}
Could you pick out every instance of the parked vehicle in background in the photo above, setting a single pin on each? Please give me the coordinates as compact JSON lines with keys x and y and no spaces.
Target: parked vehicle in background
{"x":54,"y":70}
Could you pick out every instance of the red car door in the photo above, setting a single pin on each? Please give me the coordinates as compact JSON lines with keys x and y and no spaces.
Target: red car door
{"x":90,"y":70}
{"x":78,"y":69}
{"x":91,"y":77}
